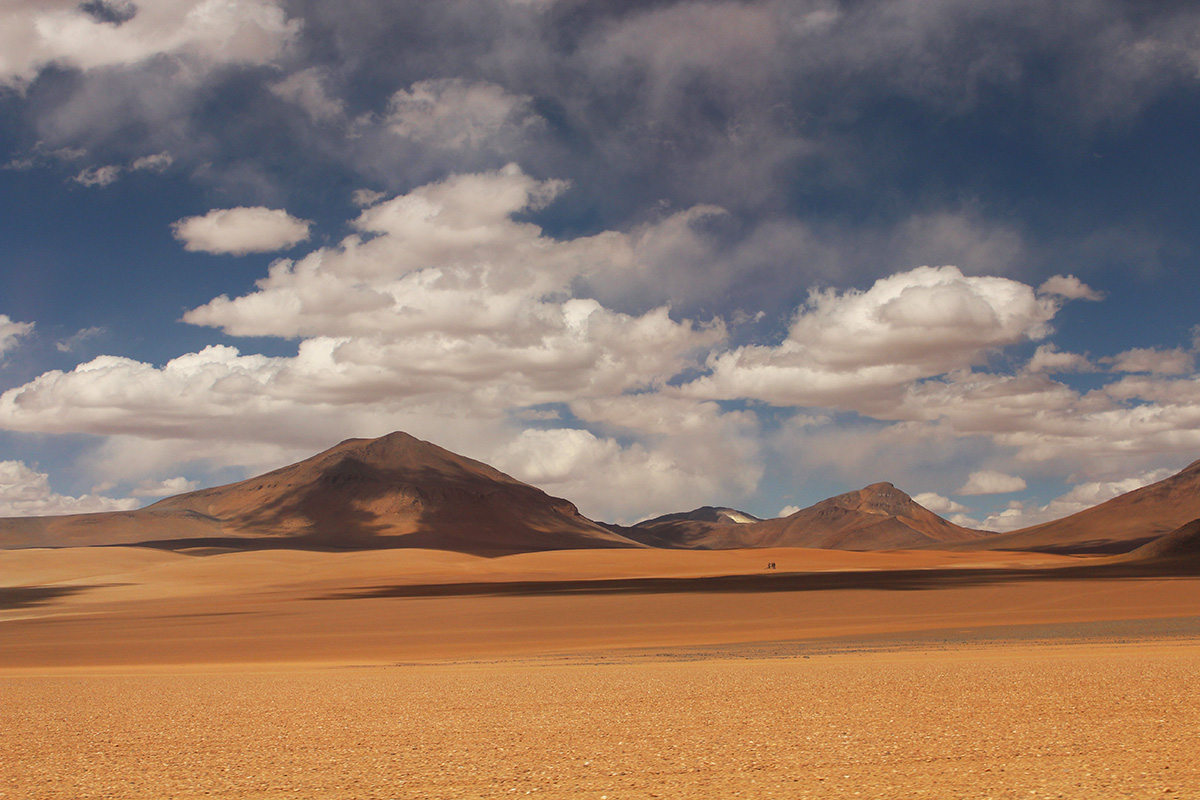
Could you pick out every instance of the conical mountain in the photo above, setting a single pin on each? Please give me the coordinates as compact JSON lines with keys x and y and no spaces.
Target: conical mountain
{"x":395,"y":491}
{"x":877,"y":517}
{"x":1115,"y":526}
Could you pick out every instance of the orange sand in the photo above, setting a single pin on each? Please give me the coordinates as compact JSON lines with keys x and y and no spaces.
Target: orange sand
{"x":130,"y":673}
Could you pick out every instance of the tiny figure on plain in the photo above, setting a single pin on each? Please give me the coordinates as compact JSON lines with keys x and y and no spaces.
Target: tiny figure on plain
{"x":771,"y":565}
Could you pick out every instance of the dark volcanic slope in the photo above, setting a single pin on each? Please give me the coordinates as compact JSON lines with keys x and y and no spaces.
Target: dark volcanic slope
{"x":395,"y":491}
{"x":1116,"y":526}
{"x":1180,"y":546}
{"x":878,"y":517}
{"x":705,"y":528}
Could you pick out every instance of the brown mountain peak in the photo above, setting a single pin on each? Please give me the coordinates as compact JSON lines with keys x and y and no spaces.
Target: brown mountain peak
{"x":879,"y":499}
{"x":394,"y":491}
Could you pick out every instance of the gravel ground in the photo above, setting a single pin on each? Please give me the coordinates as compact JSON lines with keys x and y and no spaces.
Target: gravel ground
{"x":1073,"y":721}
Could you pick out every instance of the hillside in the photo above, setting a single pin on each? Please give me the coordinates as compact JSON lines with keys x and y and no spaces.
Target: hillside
{"x":1115,"y":526}
{"x":395,"y":491}
{"x":878,"y":517}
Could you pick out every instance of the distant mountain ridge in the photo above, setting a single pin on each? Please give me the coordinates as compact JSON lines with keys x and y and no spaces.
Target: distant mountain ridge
{"x":877,"y":517}
{"x":706,"y":528}
{"x":399,"y":491}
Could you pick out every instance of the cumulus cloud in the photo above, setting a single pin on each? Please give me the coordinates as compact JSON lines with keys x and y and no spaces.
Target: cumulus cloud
{"x":1070,"y":287}
{"x":71,"y":343}
{"x":164,"y":488}
{"x":11,"y":332}
{"x":98,"y":176}
{"x":449,"y":296}
{"x":612,"y":481}
{"x":238,"y":231}
{"x":1152,"y":360}
{"x":458,"y":114}
{"x":156,"y":162}
{"x":861,"y":349}
{"x":26,"y":492}
{"x":939,"y":504}
{"x":306,"y":89}
{"x":1041,"y":420}
{"x":1048,"y":358}
{"x":991,"y":482}
{"x":1081,"y":497}
{"x":94,"y":35}
{"x":366,"y":197}
{"x":444,"y":310}
{"x":108,"y":174}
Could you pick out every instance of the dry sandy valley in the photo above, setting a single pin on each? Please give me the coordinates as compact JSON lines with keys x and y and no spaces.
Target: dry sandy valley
{"x":139,"y":673}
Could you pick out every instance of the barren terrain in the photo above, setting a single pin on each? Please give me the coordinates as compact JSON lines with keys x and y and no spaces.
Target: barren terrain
{"x":128,"y":672}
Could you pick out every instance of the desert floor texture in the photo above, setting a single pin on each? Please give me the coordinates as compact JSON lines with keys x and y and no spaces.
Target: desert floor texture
{"x":128,"y":672}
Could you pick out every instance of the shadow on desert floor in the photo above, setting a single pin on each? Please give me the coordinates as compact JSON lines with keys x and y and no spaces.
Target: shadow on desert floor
{"x":885,"y":580}
{"x":12,"y":597}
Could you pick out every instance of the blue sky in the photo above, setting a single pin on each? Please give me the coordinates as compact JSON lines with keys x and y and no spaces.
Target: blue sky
{"x":646,"y":256}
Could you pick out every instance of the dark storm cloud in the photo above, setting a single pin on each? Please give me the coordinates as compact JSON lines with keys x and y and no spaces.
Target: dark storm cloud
{"x":850,"y":138}
{"x":114,"y":13}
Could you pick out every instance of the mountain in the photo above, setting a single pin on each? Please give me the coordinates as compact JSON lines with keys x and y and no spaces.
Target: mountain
{"x":1180,"y":546}
{"x":1116,"y":526}
{"x":878,"y":517}
{"x":705,"y":528}
{"x":395,"y":491}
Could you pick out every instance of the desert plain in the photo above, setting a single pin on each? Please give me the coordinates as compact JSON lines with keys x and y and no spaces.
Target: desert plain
{"x":133,"y":672}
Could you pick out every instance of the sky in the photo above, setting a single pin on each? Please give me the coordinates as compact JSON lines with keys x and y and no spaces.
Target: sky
{"x":644,"y":255}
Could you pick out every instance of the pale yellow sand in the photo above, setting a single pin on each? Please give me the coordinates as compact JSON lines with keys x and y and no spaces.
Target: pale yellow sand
{"x":129,"y":673}
{"x":1080,"y":721}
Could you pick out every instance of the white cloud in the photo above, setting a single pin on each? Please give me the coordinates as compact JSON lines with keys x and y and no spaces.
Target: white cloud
{"x":787,"y":511}
{"x":37,"y":33}
{"x":108,"y":174}
{"x":457,"y":114}
{"x":991,"y":482}
{"x":98,"y":176}
{"x":242,"y":230}
{"x":1049,"y":359}
{"x":164,"y":488}
{"x":1070,"y":287}
{"x":1081,"y":497}
{"x":939,"y":504}
{"x":12,"y":331}
{"x":1037,"y":419}
{"x":450,"y":316}
{"x":307,"y":90}
{"x":611,"y":481}
{"x":366,"y":197}
{"x":25,"y":492}
{"x":861,"y":349}
{"x":79,"y":337}
{"x":1158,"y":362}
{"x":156,"y":162}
